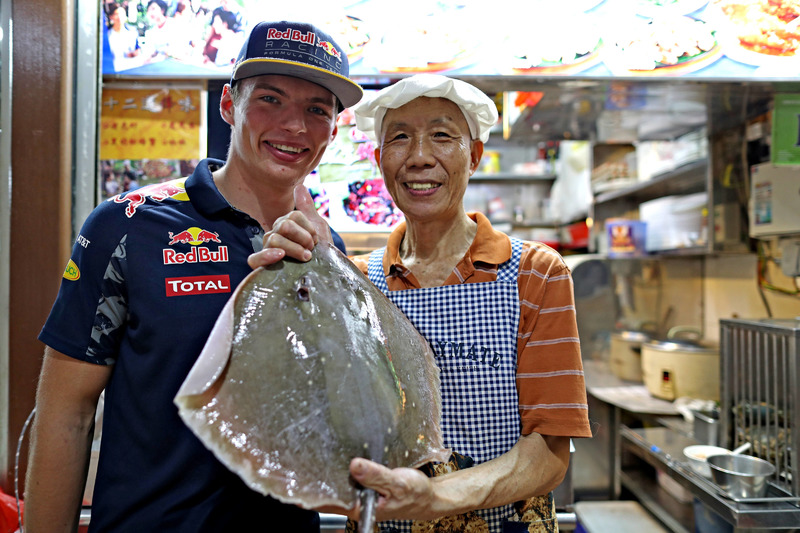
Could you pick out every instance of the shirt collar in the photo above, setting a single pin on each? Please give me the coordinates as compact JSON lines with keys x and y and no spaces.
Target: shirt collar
{"x":202,"y":191}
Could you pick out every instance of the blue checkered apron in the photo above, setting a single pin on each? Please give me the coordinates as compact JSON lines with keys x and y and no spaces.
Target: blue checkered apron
{"x":472,"y":328}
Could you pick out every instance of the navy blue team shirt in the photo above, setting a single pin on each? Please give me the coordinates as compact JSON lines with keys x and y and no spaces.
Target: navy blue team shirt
{"x":148,"y":276}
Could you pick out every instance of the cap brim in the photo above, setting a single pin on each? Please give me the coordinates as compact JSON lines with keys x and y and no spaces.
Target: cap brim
{"x":347,"y":91}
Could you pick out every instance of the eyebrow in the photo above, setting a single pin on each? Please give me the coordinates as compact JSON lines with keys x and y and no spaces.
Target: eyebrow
{"x":316,"y":99}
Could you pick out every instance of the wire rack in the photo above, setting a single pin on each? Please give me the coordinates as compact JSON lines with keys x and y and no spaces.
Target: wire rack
{"x":760,"y":393}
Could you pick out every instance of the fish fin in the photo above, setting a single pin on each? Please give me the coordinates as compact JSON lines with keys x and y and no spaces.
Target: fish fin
{"x":212,"y":361}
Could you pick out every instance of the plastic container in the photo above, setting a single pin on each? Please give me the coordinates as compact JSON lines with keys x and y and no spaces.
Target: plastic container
{"x":697,"y":455}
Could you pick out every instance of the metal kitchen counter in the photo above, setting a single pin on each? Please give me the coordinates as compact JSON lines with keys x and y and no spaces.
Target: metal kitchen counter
{"x":662,"y":448}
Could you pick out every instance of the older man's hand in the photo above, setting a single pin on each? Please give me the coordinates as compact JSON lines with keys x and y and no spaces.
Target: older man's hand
{"x":404,"y":493}
{"x":293,"y":234}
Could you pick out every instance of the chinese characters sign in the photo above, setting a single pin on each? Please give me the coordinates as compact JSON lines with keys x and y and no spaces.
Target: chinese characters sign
{"x":151,"y":123}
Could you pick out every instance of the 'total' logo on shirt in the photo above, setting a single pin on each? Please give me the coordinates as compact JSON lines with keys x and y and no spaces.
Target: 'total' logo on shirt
{"x":191,"y":285}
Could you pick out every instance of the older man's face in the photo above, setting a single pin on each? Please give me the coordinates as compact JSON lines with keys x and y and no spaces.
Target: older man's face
{"x":426,"y":156}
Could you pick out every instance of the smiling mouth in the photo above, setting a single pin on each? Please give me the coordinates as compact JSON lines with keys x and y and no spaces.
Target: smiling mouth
{"x":285,"y":148}
{"x":422,"y":186}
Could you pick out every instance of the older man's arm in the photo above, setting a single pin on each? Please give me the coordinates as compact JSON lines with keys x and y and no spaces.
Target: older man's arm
{"x":535,"y":465}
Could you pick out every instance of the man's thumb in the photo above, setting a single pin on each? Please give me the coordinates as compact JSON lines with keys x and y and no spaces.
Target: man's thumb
{"x":305,"y":204}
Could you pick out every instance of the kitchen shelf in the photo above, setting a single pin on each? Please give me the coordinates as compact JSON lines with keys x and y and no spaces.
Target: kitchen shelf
{"x":534,"y":224}
{"x":514,"y":177}
{"x":662,"y":448}
{"x":676,"y":515}
{"x":686,"y":179}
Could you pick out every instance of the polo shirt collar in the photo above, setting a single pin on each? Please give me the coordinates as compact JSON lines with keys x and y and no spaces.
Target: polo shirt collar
{"x":202,"y":191}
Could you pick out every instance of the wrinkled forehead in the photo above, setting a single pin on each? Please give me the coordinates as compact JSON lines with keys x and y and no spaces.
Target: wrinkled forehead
{"x":426,"y":110}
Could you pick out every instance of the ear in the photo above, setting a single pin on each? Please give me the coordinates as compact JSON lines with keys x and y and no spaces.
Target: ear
{"x":475,"y":155}
{"x":377,"y":153}
{"x":226,"y":106}
{"x":335,"y":131}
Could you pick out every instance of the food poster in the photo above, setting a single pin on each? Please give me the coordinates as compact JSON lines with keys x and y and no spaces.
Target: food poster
{"x":347,"y":187}
{"x":708,"y":39}
{"x":786,"y":130}
{"x":148,"y":135}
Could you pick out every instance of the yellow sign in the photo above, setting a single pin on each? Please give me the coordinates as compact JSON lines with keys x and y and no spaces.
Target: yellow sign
{"x":154,"y":123}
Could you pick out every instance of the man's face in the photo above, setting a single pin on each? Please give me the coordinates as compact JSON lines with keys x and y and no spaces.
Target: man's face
{"x":281,"y":126}
{"x":426,"y":157}
{"x":155,"y":16}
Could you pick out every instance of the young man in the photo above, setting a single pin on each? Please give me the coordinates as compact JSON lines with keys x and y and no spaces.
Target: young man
{"x":149,"y":273}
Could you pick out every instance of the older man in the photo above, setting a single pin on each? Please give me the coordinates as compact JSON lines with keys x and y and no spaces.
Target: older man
{"x":499,"y":313}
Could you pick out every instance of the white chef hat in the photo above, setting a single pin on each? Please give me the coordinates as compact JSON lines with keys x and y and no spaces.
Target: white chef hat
{"x":479,"y":110}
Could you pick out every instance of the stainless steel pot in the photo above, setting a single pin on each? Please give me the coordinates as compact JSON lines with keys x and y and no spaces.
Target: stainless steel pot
{"x":741,"y":476}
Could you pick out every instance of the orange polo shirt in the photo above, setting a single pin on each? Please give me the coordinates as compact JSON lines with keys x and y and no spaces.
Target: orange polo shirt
{"x":550,"y":382}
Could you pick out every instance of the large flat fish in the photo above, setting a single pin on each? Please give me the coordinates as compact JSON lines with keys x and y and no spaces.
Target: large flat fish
{"x":308,"y":366}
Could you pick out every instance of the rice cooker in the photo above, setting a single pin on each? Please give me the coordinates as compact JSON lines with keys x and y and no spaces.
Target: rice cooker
{"x":625,"y":355}
{"x":678,"y":368}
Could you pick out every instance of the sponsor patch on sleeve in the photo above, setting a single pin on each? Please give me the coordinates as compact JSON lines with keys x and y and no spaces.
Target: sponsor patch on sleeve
{"x":72,"y":273}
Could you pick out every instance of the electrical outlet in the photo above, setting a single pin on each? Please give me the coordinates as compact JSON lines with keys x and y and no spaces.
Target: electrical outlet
{"x":790,"y":257}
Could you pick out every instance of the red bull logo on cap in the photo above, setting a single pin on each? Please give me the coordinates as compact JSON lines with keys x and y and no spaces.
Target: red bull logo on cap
{"x":328,"y":47}
{"x":158,"y":192}
{"x":308,"y":37}
{"x":292,"y":35}
{"x":194,"y":236}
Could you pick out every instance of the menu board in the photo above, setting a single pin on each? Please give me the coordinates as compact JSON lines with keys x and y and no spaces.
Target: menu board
{"x":700,"y":39}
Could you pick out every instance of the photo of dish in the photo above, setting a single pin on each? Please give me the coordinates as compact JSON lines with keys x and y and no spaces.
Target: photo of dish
{"x":654,"y":8}
{"x":759,"y":32}
{"x":557,"y":43}
{"x":662,"y":46}
{"x":351,"y":33}
{"x":420,"y":47}
{"x":573,"y":6}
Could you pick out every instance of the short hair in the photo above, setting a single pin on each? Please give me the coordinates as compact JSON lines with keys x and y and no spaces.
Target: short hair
{"x":160,"y":3}
{"x":228,"y":17}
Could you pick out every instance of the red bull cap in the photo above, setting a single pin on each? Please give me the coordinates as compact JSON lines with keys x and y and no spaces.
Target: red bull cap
{"x":300,"y":50}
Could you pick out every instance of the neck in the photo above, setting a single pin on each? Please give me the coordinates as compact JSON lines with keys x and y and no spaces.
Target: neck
{"x":258,"y":198}
{"x":427,"y":242}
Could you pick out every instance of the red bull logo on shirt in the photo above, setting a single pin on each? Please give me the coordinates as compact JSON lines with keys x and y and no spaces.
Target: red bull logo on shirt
{"x":158,"y":192}
{"x":194,"y":236}
{"x":197,"y":254}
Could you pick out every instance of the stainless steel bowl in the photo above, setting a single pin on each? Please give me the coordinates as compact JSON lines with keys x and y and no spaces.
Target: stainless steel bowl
{"x":741,"y":476}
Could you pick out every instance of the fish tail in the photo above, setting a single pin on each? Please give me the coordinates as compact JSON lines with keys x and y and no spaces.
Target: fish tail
{"x":369,"y":500}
